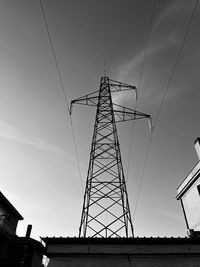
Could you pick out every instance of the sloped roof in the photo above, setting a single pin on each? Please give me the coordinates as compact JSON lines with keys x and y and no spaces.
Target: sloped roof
{"x":193,"y":175}
{"x":6,"y":203}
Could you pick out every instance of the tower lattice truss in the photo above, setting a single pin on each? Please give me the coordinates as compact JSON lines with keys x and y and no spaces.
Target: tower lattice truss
{"x":106,"y":211}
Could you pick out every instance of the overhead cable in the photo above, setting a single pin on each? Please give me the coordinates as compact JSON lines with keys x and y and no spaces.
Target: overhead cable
{"x":177,"y":59}
{"x":62,"y":86}
{"x":163,"y":100}
{"x":54,"y":54}
{"x":140,"y":79}
{"x":146,"y":45}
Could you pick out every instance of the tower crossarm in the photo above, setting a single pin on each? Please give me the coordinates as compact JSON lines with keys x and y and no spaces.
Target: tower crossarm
{"x":89,"y":99}
{"x":126,"y":114}
{"x":119,"y":86}
{"x":92,"y":98}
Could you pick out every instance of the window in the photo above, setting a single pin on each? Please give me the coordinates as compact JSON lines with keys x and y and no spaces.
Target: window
{"x":2,"y":216}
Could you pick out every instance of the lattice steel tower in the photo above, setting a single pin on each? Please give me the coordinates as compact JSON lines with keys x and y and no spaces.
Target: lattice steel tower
{"x":106,"y":211}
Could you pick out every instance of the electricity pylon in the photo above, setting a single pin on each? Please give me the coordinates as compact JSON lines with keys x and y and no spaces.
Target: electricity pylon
{"x":106,"y":211}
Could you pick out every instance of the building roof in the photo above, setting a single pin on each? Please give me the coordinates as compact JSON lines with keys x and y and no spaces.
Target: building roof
{"x":197,"y":140}
{"x":123,"y":240}
{"x":78,"y":247}
{"x":6,"y":203}
{"x":192,"y":176}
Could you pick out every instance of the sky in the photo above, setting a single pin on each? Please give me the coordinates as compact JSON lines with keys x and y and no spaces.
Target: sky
{"x":39,"y":171}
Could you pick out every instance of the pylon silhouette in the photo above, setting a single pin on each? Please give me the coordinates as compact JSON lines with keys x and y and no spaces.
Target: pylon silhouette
{"x":106,"y":211}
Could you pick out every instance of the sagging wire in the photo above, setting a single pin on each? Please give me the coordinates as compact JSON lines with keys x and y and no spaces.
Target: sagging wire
{"x":139,"y":83}
{"x":163,"y":100}
{"x":63,"y":89}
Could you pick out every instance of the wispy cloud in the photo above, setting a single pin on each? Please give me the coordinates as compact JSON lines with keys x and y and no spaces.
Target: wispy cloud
{"x":10,"y":132}
{"x":173,"y":9}
{"x":166,"y":36}
{"x":128,"y":71}
{"x":166,"y":39}
{"x":126,"y":98}
{"x":150,"y":87}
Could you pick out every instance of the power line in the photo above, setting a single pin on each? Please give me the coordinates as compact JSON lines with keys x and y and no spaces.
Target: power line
{"x":163,"y":100}
{"x":63,"y":89}
{"x":143,"y":173}
{"x":176,"y":62}
{"x":76,"y":150}
{"x":146,"y":44}
{"x":140,"y":79}
{"x":54,"y":54}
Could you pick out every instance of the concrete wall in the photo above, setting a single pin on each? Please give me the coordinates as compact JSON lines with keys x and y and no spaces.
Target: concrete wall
{"x":8,"y":221}
{"x":136,"y":252}
{"x":191,"y":202}
{"x":37,"y":259}
{"x":126,"y":261}
{"x":10,"y":224}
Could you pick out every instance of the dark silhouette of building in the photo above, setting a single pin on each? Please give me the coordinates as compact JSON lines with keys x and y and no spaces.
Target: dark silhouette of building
{"x":16,"y":251}
{"x":123,"y":252}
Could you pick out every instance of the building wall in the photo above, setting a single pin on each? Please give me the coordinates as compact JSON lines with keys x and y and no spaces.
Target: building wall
{"x":135,"y":252}
{"x":37,"y":259}
{"x":16,"y":251}
{"x":10,"y":224}
{"x":126,"y":261}
{"x":8,"y":221}
{"x":30,"y":252}
{"x":191,"y":202}
{"x":5,"y":248}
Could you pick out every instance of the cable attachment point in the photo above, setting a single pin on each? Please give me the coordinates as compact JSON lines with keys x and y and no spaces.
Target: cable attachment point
{"x":151,"y":128}
{"x":70,"y":110}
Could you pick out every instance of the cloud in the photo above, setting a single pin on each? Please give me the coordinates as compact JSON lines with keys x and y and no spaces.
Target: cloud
{"x":166,"y":36}
{"x":128,"y":71}
{"x":124,"y":98}
{"x":171,"y":11}
{"x":10,"y":132}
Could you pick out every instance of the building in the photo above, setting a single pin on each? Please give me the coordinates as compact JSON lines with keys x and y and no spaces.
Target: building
{"x":189,"y":196}
{"x":9,"y":216}
{"x":14,"y":250}
{"x":123,"y":252}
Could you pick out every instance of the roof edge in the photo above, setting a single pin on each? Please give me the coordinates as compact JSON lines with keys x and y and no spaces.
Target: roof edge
{"x":7,"y":202}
